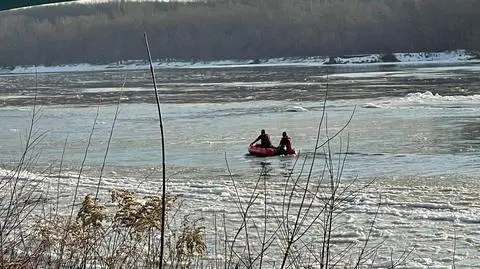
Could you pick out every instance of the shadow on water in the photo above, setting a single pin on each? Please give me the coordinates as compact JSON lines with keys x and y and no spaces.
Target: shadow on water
{"x":275,"y":165}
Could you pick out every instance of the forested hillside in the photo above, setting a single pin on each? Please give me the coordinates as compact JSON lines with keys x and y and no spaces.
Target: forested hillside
{"x":219,"y":29}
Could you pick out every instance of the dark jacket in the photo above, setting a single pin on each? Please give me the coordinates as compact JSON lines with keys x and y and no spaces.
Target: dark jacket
{"x":264,"y":140}
{"x":287,"y":142}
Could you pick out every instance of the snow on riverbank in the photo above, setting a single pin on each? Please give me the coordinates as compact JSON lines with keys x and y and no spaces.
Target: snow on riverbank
{"x":402,"y":58}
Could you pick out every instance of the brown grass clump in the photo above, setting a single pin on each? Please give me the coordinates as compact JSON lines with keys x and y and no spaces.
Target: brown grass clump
{"x":188,"y":243}
{"x":124,"y":233}
{"x":91,"y":214}
{"x":139,"y":214}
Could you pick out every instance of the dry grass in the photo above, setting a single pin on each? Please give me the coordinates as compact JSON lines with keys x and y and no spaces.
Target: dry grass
{"x":126,"y":232}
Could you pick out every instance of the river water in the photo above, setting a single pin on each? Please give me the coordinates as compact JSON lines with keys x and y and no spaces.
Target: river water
{"x":414,"y":130}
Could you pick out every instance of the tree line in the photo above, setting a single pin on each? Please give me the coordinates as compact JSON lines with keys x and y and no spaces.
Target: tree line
{"x":234,"y":29}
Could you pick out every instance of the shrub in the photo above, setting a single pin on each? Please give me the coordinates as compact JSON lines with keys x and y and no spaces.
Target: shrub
{"x":388,"y":58}
{"x":331,"y":60}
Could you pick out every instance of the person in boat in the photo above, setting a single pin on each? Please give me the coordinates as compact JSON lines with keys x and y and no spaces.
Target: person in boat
{"x":264,"y":140}
{"x":285,"y":145}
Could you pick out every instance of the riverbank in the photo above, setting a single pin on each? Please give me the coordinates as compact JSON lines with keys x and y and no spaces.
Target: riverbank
{"x":456,"y":56}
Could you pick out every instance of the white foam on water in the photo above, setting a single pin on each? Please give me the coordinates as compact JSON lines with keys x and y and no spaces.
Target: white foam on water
{"x":425,"y":99}
{"x":117,"y":89}
{"x":296,"y":108}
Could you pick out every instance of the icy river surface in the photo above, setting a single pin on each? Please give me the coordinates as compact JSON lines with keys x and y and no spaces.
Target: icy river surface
{"x":414,"y":137}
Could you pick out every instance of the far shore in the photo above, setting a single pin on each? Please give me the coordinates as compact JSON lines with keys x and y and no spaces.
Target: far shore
{"x":445,"y":57}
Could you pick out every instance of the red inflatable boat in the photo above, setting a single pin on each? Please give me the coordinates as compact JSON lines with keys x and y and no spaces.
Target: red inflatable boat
{"x":257,"y":150}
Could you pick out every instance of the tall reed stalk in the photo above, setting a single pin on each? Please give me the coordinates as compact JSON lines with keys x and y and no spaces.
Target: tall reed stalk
{"x":164,"y":180}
